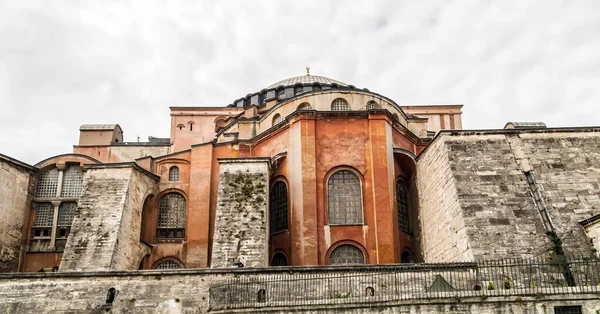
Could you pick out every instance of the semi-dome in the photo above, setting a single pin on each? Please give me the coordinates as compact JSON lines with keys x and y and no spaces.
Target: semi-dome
{"x":306,"y":79}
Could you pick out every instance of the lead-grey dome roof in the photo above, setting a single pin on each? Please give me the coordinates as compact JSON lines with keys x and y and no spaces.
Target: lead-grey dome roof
{"x":306,"y":79}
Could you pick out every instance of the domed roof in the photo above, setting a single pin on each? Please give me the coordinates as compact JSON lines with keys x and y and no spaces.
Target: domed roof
{"x":306,"y":79}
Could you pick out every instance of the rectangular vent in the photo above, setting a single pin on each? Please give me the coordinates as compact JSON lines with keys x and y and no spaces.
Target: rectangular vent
{"x":571,"y":309}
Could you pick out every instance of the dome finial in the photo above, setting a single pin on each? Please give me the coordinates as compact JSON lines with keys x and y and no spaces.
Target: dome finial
{"x":307,"y":70}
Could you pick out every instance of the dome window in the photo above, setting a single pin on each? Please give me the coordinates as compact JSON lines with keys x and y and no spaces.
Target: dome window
{"x":340,"y":104}
{"x":373,"y":105}
{"x":304,"y":106}
{"x":276,"y":119}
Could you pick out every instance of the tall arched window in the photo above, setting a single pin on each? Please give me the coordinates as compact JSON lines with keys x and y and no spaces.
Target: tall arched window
{"x":169,"y":264}
{"x":279,"y":260}
{"x":402,"y":205}
{"x":278,"y":207}
{"x":171,"y":216}
{"x":47,"y":183}
{"x":346,"y":254}
{"x":340,"y":104}
{"x":373,"y":105}
{"x":344,"y":198}
{"x":276,"y":119}
{"x":174,"y":174}
{"x":305,"y":106}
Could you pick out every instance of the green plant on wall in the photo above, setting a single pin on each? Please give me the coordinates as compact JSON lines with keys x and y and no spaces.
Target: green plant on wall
{"x":507,"y":284}
{"x":490,"y":285}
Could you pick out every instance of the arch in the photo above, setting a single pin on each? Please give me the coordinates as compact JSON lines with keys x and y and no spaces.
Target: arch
{"x":180,"y":126}
{"x":110,"y":295}
{"x":347,"y":254}
{"x":406,"y":257}
{"x":276,"y":119}
{"x":373,"y":105}
{"x":168,"y":263}
{"x":82,"y":159}
{"x":344,"y":198}
{"x":304,"y":106}
{"x":261,"y":296}
{"x":278,"y":207}
{"x":339,"y":104}
{"x":173,"y":174}
{"x":298,"y":89}
{"x":402,"y":204}
{"x":191,"y":124}
{"x":279,"y":259}
{"x":369,"y":292}
{"x":171,"y":216}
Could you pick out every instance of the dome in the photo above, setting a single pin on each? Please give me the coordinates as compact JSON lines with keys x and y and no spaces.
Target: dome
{"x":306,"y":79}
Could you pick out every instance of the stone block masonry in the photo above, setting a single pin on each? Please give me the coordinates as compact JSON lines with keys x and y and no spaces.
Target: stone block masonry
{"x":17,"y":185}
{"x":241,"y":221}
{"x":106,"y":229}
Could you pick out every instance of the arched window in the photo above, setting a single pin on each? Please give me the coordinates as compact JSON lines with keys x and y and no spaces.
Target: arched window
{"x":402,"y":205}
{"x":279,"y":260}
{"x":72,"y":182}
{"x":278,"y":207}
{"x":298,"y":89}
{"x":171,"y":216}
{"x":174,"y":174}
{"x":344,"y":198}
{"x":339,"y":104}
{"x":304,"y":106}
{"x":373,"y":105}
{"x":405,"y":257}
{"x":47,"y":184}
{"x":191,"y":123}
{"x":346,"y":254}
{"x":317,"y":87}
{"x":169,"y":264}
{"x":276,"y":119}
{"x":180,"y":126}
{"x":66,"y":214}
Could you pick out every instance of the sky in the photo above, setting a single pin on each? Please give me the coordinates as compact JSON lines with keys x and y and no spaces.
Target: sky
{"x":67,"y":63}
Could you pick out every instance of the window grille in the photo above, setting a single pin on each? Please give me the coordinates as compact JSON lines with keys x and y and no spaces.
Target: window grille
{"x":72,"y":182}
{"x":340,"y":105}
{"x":373,"y":105}
{"x":344,"y":199}
{"x":279,"y":260}
{"x":66,"y":214}
{"x":305,"y":106}
{"x":276,"y":119}
{"x":346,"y":254}
{"x":47,"y":183}
{"x":171,"y":216}
{"x":174,"y":174}
{"x":402,"y":206}
{"x":169,"y":265}
{"x":44,"y":215}
{"x":571,"y":309}
{"x":278,"y":207}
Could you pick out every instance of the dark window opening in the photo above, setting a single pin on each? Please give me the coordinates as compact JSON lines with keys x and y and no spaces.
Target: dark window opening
{"x":402,"y":206}
{"x":405,"y":257}
{"x":171,"y":216}
{"x":570,"y":309}
{"x":278,"y":207}
{"x":262,"y":296}
{"x":370,"y":292}
{"x":279,"y":260}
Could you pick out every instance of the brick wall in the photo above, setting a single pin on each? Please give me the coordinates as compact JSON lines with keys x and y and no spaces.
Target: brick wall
{"x":241,"y":219}
{"x":17,"y":184}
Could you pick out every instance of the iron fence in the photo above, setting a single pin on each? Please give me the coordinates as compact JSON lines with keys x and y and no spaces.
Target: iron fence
{"x":384,"y":283}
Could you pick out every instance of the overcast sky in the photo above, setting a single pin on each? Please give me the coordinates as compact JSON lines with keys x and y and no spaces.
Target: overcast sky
{"x":63,"y":65}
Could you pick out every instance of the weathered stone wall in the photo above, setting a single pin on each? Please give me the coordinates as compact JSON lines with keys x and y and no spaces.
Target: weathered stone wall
{"x":442,"y":232}
{"x":495,"y":204}
{"x":106,"y":229}
{"x":241,"y":221}
{"x":17,"y":185}
{"x":187,"y":291}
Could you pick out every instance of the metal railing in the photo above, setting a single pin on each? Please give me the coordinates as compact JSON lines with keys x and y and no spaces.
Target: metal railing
{"x":385,"y":283}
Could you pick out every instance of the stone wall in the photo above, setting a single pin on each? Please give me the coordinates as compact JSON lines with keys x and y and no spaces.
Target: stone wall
{"x":106,"y":229}
{"x":485,"y":172}
{"x":17,"y":185}
{"x":442,"y":232}
{"x":241,"y":221}
{"x":187,"y":291}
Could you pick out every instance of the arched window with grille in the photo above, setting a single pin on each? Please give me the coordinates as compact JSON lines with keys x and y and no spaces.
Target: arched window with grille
{"x":174,"y":174}
{"x":346,"y":254}
{"x":344,"y":198}
{"x":278,"y":207}
{"x":276,"y":119}
{"x":402,"y":205}
{"x":279,"y":260}
{"x":171,"y":216}
{"x":340,"y":104}
{"x":304,"y":106}
{"x":47,"y":183}
{"x":72,"y":182}
{"x":169,"y":264}
{"x":373,"y":105}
